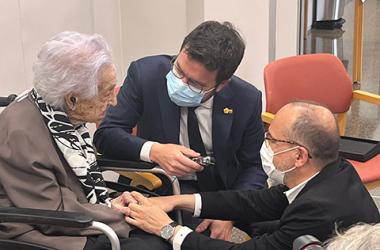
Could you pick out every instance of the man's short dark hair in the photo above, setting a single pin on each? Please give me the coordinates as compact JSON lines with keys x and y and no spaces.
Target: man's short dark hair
{"x":218,"y":46}
{"x":321,"y":139}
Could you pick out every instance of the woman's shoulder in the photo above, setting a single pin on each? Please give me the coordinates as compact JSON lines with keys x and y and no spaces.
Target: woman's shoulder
{"x":22,"y":117}
{"x":20,"y":113}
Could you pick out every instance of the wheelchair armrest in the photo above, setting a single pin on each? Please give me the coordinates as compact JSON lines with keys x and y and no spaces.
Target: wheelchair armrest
{"x":139,"y":166}
{"x":44,"y":217}
{"x":57,"y":218}
{"x":120,"y":187}
{"x":124,"y":164}
{"x":139,"y":172}
{"x":120,"y":165}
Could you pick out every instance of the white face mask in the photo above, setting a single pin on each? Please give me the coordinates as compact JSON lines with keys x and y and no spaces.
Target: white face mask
{"x":275,"y":176}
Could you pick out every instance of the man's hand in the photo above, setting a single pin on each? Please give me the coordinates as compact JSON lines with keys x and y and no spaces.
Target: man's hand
{"x":121,"y":203}
{"x":174,"y":159}
{"x":146,"y":215}
{"x":220,"y":229}
{"x":166,"y":203}
{"x":184,"y":202}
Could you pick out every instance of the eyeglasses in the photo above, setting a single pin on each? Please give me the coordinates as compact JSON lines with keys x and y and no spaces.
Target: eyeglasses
{"x":193,"y":85}
{"x":268,"y":137}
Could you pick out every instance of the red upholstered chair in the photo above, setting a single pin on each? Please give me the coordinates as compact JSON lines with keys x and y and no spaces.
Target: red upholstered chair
{"x":321,"y":78}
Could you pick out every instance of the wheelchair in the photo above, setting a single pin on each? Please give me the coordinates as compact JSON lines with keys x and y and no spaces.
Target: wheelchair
{"x":143,"y":181}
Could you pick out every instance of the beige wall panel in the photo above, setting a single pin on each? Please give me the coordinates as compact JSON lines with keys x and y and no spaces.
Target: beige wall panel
{"x":251,"y":17}
{"x":107,"y":22}
{"x":12,"y":75}
{"x":41,"y":19}
{"x":286,"y":28}
{"x":151,"y":28}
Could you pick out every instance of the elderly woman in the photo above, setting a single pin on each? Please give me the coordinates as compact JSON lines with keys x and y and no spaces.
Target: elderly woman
{"x":47,"y":160}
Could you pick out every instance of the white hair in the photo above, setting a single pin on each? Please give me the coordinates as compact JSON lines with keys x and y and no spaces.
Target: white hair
{"x":359,"y":237}
{"x":70,"y":63}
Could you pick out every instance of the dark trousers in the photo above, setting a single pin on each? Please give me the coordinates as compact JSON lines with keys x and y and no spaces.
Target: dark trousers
{"x":137,"y":240}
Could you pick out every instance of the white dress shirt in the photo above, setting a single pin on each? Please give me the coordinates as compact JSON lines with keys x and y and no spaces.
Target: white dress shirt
{"x":184,"y":231}
{"x":292,"y":193}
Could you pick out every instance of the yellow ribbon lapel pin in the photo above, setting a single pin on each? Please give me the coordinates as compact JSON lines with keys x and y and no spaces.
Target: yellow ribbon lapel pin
{"x":228,"y":111}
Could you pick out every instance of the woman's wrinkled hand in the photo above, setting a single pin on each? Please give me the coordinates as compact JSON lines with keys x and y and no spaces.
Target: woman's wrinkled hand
{"x":146,"y":214}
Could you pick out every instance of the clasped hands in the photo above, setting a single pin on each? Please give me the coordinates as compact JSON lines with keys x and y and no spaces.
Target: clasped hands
{"x":150,"y":214}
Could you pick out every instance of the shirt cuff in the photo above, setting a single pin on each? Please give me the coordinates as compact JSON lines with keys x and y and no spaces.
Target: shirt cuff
{"x":180,"y":236}
{"x":145,"y":151}
{"x":197,"y":205}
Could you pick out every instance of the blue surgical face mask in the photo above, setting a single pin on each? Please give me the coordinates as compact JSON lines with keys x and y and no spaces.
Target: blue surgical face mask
{"x":181,"y":94}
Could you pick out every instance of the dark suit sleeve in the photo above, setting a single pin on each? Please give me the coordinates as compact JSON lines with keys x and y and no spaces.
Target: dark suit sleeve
{"x":252,"y":176}
{"x":113,"y":138}
{"x":244,"y":205}
{"x":305,"y":218}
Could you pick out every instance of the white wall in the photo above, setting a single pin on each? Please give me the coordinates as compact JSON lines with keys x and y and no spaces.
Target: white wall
{"x":12,"y":68}
{"x":25,"y":25}
{"x":107,"y":21}
{"x":151,"y":27}
{"x":194,"y":13}
{"x":251,"y":19}
{"x":139,"y":28}
{"x":286,"y":28}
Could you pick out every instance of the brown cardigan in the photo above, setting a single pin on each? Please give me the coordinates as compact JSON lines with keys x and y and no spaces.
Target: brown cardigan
{"x":34,"y":175}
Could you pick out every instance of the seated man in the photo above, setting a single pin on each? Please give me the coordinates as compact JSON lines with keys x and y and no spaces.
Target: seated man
{"x":322,"y":192}
{"x":47,"y":160}
{"x":190,"y":105}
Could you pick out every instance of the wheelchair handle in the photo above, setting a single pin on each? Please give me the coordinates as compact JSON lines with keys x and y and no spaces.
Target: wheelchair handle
{"x":5,"y":101}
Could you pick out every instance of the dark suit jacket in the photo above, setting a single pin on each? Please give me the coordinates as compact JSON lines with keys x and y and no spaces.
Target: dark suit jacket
{"x":334,"y":197}
{"x":144,"y":100}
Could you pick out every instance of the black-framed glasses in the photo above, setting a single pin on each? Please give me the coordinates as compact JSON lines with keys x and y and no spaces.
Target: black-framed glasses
{"x":193,"y":85}
{"x":268,"y":137}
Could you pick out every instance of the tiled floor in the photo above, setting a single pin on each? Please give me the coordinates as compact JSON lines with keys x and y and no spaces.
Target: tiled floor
{"x":363,"y":121}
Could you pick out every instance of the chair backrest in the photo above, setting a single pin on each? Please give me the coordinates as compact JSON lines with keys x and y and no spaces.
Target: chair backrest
{"x":321,"y":78}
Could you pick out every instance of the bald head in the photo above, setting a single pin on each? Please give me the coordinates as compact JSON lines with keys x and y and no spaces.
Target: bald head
{"x":313,"y":126}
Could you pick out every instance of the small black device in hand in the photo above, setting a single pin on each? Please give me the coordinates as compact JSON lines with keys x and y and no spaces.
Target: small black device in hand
{"x":204,"y":160}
